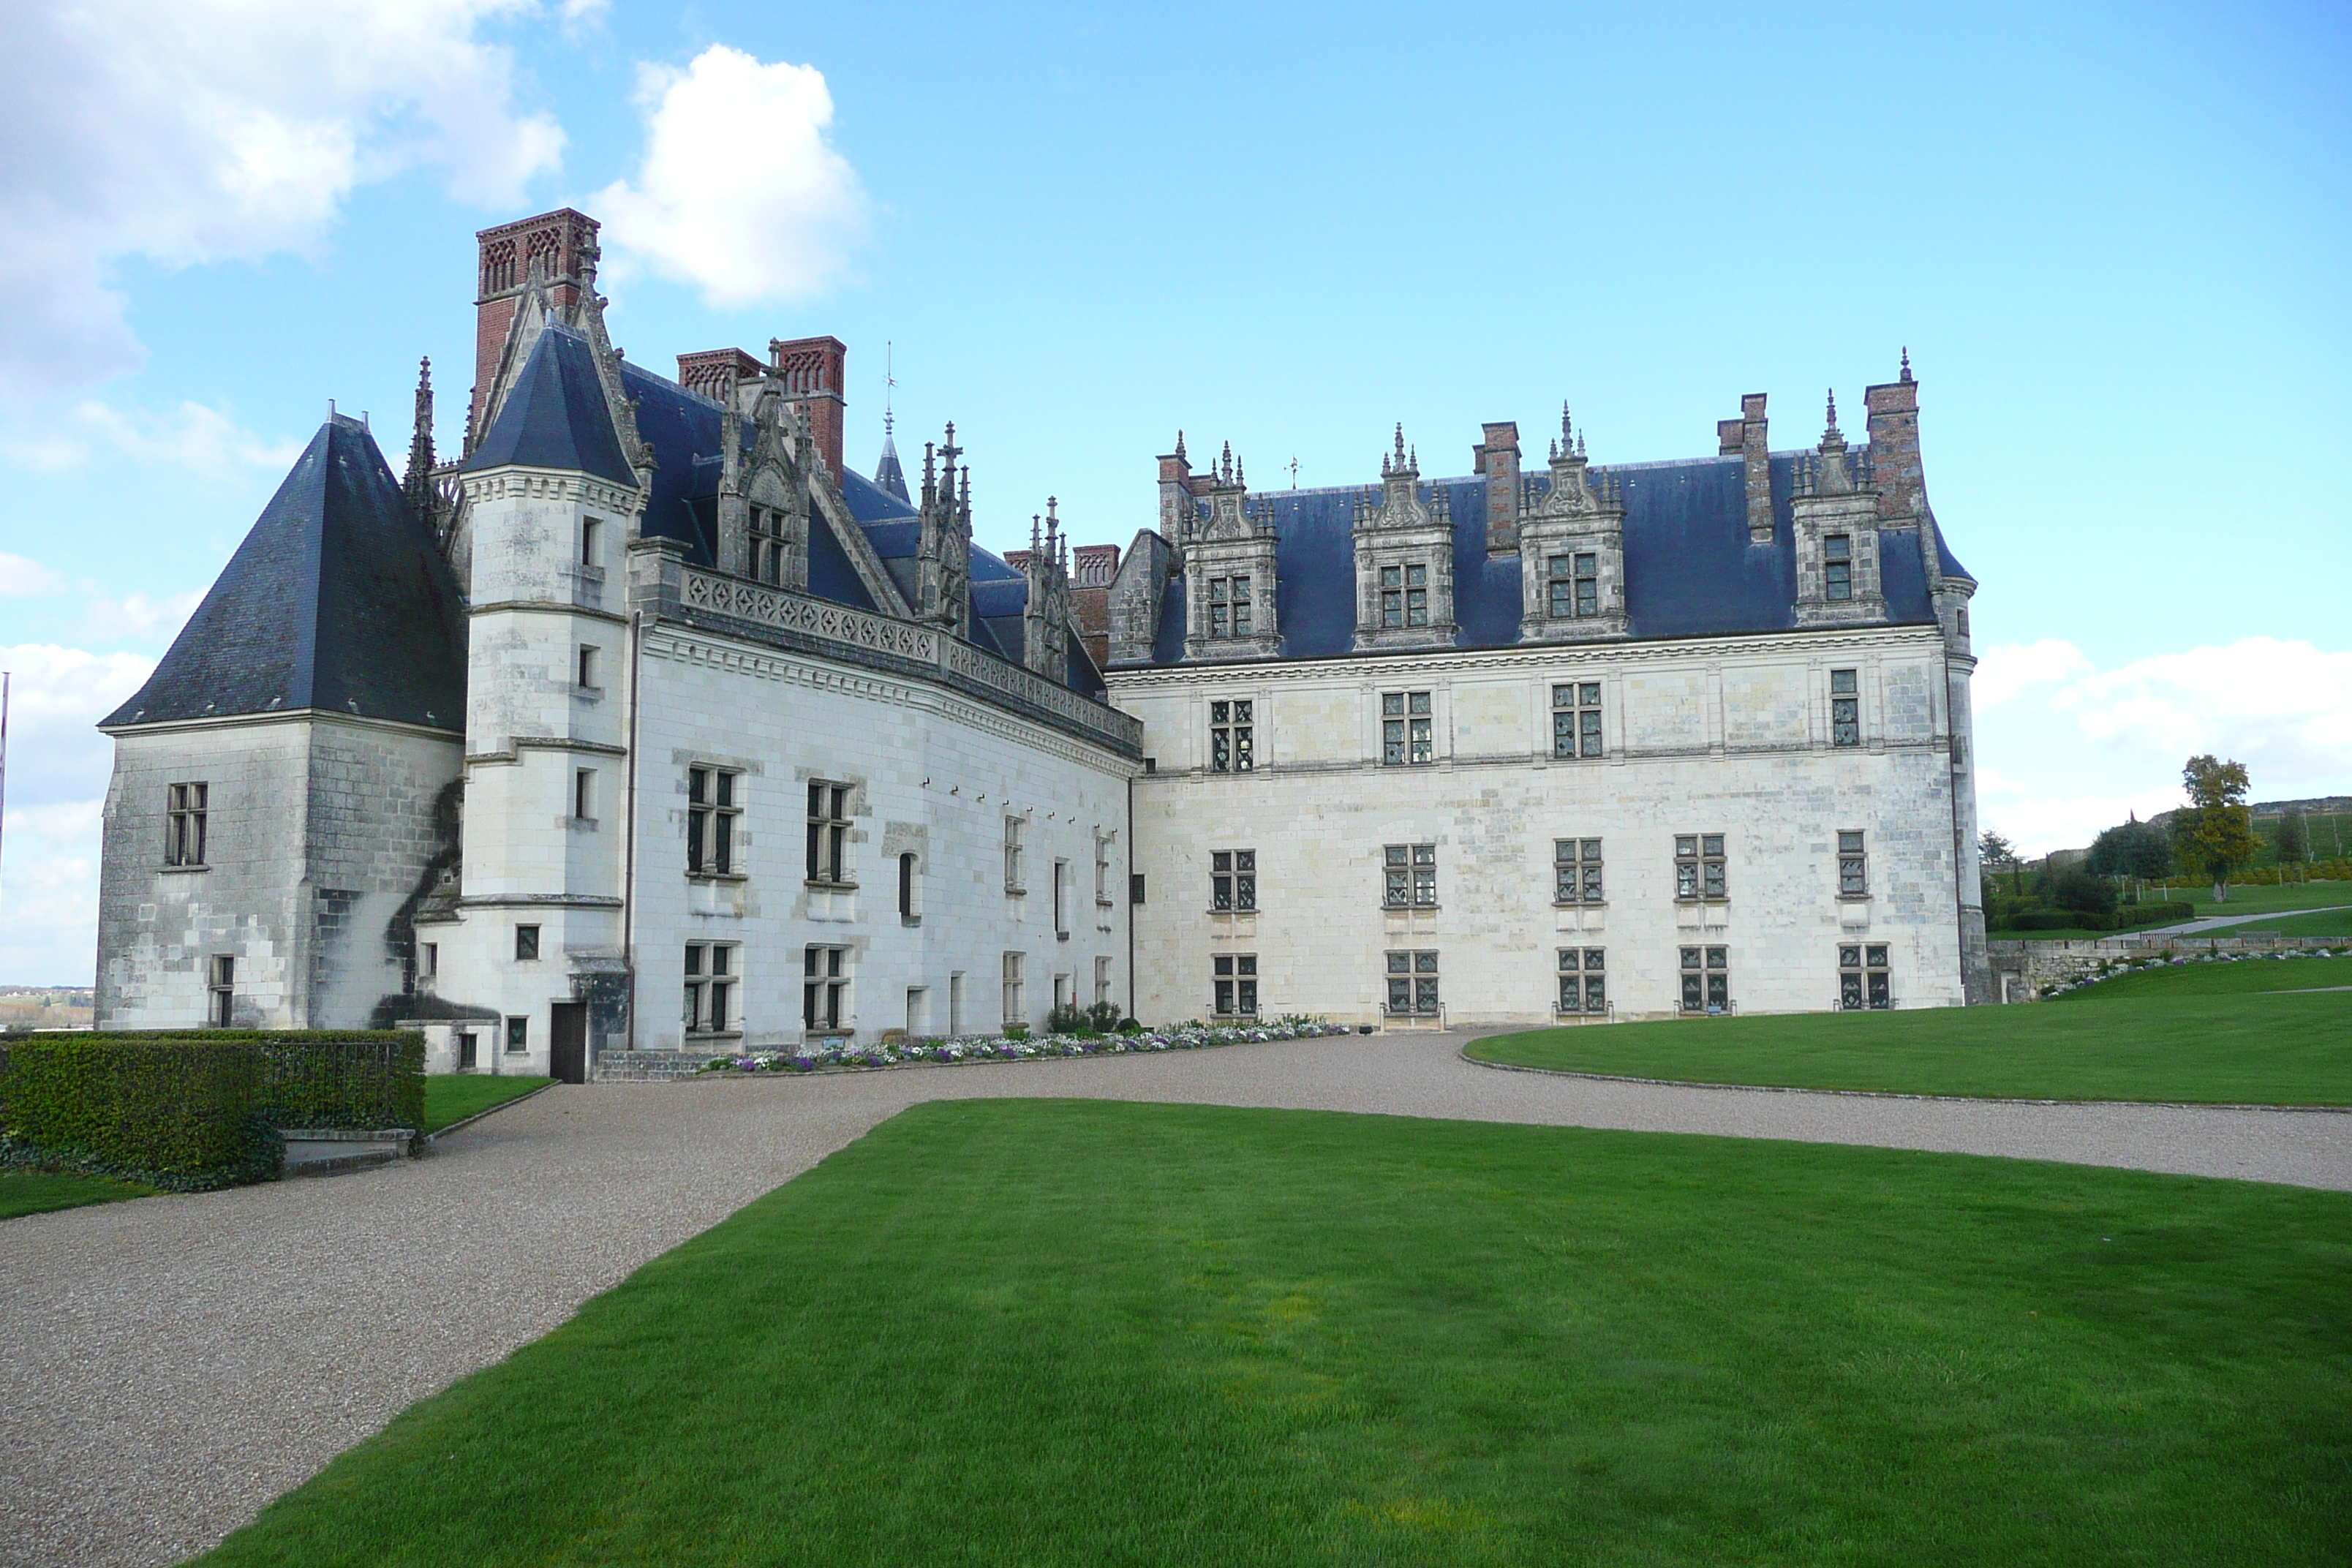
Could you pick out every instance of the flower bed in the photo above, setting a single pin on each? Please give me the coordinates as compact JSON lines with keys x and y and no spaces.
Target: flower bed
{"x":2110,"y":969}
{"x":1189,"y":1037}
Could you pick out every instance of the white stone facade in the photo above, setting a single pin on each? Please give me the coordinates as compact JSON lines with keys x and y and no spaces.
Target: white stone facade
{"x":1728,"y":737}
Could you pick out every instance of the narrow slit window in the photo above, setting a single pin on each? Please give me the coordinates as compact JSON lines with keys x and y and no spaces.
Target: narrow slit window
{"x":1845,"y":708}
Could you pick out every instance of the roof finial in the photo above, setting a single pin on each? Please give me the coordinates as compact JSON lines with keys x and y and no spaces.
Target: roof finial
{"x":1565,"y":427}
{"x":1579,"y":446}
{"x":1832,"y":416}
{"x":1238,"y":478}
{"x":1906,"y":363}
{"x":1180,"y":443}
{"x":1399,"y":443}
{"x":890,"y":382}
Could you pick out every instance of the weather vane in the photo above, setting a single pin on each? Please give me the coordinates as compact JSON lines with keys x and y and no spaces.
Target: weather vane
{"x":1293,"y":470}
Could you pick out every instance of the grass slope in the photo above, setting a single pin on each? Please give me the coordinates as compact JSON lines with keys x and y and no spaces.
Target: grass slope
{"x":449,"y":1097}
{"x":2245,"y":976}
{"x":2255,"y":900}
{"x":37,"y":1191}
{"x":2271,"y":1050}
{"x":2333,"y":923}
{"x":1067,"y":1332}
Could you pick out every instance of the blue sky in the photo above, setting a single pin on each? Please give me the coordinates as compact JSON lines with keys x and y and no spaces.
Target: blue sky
{"x":2112,"y":237}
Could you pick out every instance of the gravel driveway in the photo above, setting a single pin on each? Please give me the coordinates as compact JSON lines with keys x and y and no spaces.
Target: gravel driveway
{"x":167,"y":1366}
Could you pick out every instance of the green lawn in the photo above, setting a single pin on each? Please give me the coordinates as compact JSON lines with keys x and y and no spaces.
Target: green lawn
{"x":37,"y":1191}
{"x":2272,"y":1050}
{"x":2334,"y":922}
{"x":2244,"y":900}
{"x":449,"y":1097}
{"x":2239,"y":977}
{"x":1069,"y":1332}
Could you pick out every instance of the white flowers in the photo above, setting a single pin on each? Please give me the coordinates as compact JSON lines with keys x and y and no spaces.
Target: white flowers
{"x":1185,"y":1036}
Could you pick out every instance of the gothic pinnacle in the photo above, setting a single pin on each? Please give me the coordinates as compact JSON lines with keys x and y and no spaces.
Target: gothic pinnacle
{"x":1906,"y":363}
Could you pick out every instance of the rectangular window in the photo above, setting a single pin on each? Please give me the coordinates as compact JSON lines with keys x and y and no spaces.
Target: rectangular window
{"x":590,"y":536}
{"x":1407,"y":735}
{"x":1134,"y":887}
{"x":1014,"y":869}
{"x":1853,"y":867}
{"x":767,"y":562}
{"x":1576,"y":870}
{"x":1576,"y":718}
{"x":1102,"y":868}
{"x":1232,"y":880}
{"x":223,"y":1003}
{"x":1408,"y":876}
{"x":1573,"y":583}
{"x":187,"y":806}
{"x":1706,"y":980}
{"x":1392,"y":595}
{"x":1236,"y":984}
{"x":713,"y":806}
{"x":518,"y":1034}
{"x":1845,"y":708}
{"x":1698,"y":866}
{"x":1102,"y":980}
{"x":710,"y":982}
{"x":824,"y":987}
{"x":585,"y":667}
{"x":1229,"y":606}
{"x":1837,"y":565}
{"x":1412,"y":983}
{"x":907,"y":910}
{"x":1017,"y":1007}
{"x":1862,"y":977}
{"x":468,"y":1056}
{"x":526,"y":943}
{"x":583,"y":795}
{"x":428,"y":960}
{"x":828,"y":833}
{"x":1233,"y":736}
{"x":1583,"y":980}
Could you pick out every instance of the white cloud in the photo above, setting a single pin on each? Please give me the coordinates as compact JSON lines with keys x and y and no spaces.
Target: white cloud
{"x":22,"y":579}
{"x":740,"y":192}
{"x":2007,"y":672}
{"x":2069,"y":749}
{"x":194,"y":440}
{"x":192,"y":131}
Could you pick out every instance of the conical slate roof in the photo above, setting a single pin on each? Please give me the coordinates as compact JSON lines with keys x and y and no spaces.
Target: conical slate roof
{"x":337,"y":599}
{"x":886,"y":473}
{"x":556,"y":415}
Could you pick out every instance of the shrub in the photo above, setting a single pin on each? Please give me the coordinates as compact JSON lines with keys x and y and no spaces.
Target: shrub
{"x":2047,"y":920}
{"x":178,"y":1112}
{"x":1130,"y":1026}
{"x":1104,"y":1017}
{"x":2155,"y":914}
{"x":2082,"y":892}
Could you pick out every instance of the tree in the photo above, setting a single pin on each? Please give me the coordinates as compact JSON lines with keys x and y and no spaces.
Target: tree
{"x":2294,"y":836}
{"x":2134,"y":848}
{"x":1995,"y":850}
{"x":2072,"y":888}
{"x":2216,"y":834}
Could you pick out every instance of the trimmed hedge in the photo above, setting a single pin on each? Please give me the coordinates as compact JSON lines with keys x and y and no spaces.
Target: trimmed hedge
{"x":198,"y":1110}
{"x":2124,"y":919}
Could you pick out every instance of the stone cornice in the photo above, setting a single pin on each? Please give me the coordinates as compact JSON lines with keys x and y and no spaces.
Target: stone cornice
{"x":289,"y":715}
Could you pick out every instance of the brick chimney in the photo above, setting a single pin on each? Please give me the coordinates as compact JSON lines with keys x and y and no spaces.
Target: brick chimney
{"x":1894,"y":426}
{"x":712,"y":371}
{"x":1497,"y":458}
{"x":812,"y":371}
{"x":1176,"y":490}
{"x":560,"y":247}
{"x":1758,"y":454}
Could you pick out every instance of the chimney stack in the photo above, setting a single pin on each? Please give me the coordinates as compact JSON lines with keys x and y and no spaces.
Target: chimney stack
{"x":1894,"y":429}
{"x":812,"y":373}
{"x":714,"y":372}
{"x":560,"y":249}
{"x":1758,"y":452}
{"x":1497,"y":458}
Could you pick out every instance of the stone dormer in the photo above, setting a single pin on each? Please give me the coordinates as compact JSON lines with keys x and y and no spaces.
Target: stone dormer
{"x":1835,"y":508}
{"x":1229,"y":571}
{"x":943,"y":556}
{"x":1404,"y":559}
{"x":1573,"y":551}
{"x":764,"y":493}
{"x":1045,"y":613}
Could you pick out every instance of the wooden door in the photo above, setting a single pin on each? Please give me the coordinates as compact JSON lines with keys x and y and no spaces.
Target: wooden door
{"x":567,"y":1049}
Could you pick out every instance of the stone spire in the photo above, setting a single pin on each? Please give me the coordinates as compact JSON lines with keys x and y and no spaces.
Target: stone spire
{"x":417,"y":484}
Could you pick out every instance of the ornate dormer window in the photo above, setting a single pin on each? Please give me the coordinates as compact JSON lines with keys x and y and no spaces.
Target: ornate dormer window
{"x":1404,"y":559}
{"x":1572,"y":549}
{"x":1835,"y":507}
{"x":1229,"y":566}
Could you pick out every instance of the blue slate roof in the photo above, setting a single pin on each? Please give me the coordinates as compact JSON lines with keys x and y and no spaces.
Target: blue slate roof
{"x":554,"y":418}
{"x":1690,"y":569}
{"x":338,"y":598}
